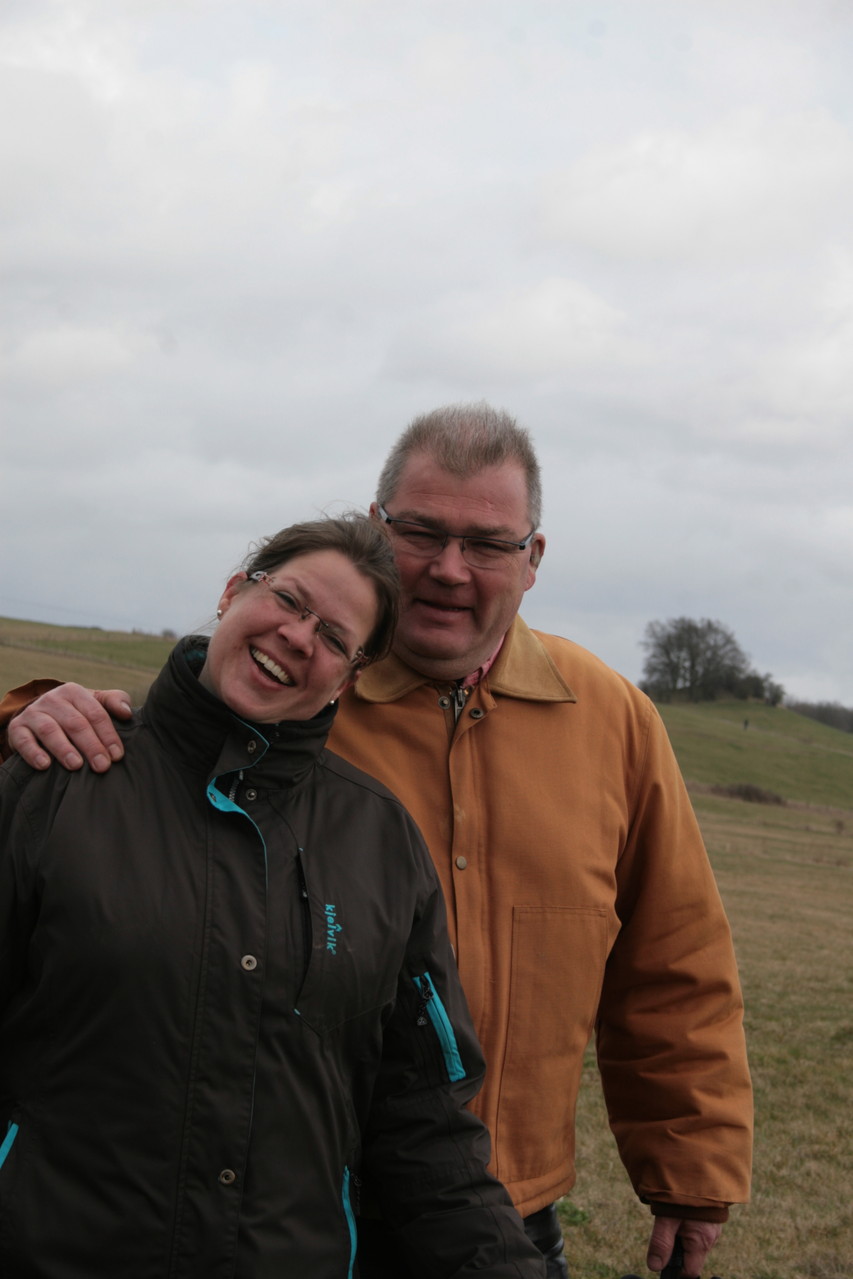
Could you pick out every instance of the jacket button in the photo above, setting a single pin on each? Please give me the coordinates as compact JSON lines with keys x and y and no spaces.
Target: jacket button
{"x":228,"y":1176}
{"x":444,"y":702}
{"x":251,"y":793}
{"x":249,"y":963}
{"x":477,"y":712}
{"x":461,"y":862}
{"x":251,"y":746}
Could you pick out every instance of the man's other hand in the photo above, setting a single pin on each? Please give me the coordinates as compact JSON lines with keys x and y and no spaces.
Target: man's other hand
{"x":697,"y":1240}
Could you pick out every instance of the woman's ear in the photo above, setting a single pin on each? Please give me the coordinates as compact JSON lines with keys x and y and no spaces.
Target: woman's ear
{"x":350,"y":683}
{"x":231,"y":590}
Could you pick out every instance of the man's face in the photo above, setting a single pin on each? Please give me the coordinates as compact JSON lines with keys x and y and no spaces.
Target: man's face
{"x":453,"y":616}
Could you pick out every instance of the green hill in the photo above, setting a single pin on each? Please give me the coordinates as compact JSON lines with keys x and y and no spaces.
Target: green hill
{"x":780,"y":752}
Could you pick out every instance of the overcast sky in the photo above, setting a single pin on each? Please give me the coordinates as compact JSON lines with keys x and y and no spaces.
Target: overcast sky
{"x":243,"y":244}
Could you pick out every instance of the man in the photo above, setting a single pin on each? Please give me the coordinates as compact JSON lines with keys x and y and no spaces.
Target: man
{"x":579,"y":894}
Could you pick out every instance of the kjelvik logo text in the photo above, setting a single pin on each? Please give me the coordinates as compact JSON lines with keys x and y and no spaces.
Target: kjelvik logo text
{"x":332,"y":928}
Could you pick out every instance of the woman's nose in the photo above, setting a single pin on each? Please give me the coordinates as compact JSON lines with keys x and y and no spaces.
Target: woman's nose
{"x":299,"y":632}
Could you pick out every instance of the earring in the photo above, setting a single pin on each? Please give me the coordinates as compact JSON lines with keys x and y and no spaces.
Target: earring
{"x":219,"y":613}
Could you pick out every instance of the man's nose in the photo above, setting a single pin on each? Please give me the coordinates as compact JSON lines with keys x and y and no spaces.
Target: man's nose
{"x":449,"y":565}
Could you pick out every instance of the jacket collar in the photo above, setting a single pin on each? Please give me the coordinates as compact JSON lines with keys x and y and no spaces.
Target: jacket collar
{"x":207,"y":737}
{"x":522,"y":669}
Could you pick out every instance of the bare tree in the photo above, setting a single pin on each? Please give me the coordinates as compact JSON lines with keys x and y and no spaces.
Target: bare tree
{"x":699,"y":660}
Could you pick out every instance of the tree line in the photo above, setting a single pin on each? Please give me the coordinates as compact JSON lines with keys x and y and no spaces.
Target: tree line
{"x":699,"y":661}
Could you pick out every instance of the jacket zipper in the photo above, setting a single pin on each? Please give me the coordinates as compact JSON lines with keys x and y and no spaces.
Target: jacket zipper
{"x":460,"y":696}
{"x":425,"y":987}
{"x":431,"y":1011}
{"x":8,"y":1141}
{"x":305,"y":909}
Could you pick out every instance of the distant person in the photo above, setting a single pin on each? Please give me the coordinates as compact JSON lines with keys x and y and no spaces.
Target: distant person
{"x":227,"y":994}
{"x":579,"y":892}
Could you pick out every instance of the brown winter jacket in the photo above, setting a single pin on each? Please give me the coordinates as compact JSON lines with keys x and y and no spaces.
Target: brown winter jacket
{"x":580,"y":899}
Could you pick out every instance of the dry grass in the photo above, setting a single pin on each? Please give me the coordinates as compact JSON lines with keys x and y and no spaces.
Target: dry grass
{"x":786,"y":875}
{"x":86,"y":655}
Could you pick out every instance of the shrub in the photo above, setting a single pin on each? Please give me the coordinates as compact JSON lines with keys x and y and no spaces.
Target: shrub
{"x":747,"y":791}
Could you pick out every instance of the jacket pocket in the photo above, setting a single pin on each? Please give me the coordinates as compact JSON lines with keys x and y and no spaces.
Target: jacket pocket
{"x":558,"y":959}
{"x":432,"y":1013}
{"x":342,"y":984}
{"x":350,"y":967}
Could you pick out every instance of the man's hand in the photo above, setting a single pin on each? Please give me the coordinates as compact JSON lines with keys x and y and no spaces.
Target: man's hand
{"x":697,"y":1240}
{"x":71,"y":724}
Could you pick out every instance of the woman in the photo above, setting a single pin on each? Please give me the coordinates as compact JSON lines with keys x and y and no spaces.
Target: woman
{"x":228,"y":999}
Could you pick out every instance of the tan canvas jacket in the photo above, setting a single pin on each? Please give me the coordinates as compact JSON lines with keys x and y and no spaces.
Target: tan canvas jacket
{"x":580,"y":898}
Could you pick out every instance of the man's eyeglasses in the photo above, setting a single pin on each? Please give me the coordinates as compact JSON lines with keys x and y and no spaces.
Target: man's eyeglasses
{"x":479,"y":552}
{"x":292,"y":607}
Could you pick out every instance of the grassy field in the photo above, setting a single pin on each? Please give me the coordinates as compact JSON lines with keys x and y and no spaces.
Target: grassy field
{"x":786,"y":875}
{"x":86,"y":655}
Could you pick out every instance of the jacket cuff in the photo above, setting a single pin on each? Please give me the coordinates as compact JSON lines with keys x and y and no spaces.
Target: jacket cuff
{"x":686,"y":1212}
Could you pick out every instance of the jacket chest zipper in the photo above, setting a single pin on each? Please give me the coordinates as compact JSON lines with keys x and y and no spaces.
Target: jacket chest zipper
{"x":305,"y":911}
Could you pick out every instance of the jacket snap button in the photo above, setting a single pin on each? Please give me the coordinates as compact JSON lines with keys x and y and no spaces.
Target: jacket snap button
{"x":228,"y":1176}
{"x":444,"y":702}
{"x":461,"y":862}
{"x":477,"y":713}
{"x":251,"y":746}
{"x":251,"y":793}
{"x":249,"y":963}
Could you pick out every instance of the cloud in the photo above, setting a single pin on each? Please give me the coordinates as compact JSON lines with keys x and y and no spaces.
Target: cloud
{"x":555,"y":326}
{"x":243,"y":245}
{"x":742,"y":190}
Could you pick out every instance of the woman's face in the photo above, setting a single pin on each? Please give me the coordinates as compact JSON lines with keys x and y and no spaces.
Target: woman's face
{"x":268,"y":664}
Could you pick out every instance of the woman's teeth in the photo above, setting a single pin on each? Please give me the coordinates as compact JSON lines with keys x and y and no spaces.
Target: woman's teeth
{"x":271,"y":667}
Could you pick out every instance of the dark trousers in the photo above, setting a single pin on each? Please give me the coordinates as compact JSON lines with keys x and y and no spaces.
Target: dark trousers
{"x":543,"y":1228}
{"x":377,"y":1258}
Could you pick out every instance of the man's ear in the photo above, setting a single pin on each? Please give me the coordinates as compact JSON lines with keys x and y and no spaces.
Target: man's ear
{"x":537,"y":550}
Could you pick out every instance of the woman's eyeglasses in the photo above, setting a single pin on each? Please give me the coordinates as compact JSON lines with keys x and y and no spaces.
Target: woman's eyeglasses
{"x":290,"y":605}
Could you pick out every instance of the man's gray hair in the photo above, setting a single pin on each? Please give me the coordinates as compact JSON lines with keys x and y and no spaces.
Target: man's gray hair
{"x":464,"y":439}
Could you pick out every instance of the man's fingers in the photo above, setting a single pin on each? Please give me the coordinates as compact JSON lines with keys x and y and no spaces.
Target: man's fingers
{"x":36,"y":738}
{"x":697,"y":1240}
{"x":70,"y":724}
{"x":21,"y":740}
{"x":115,"y":700}
{"x":664,"y":1231}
